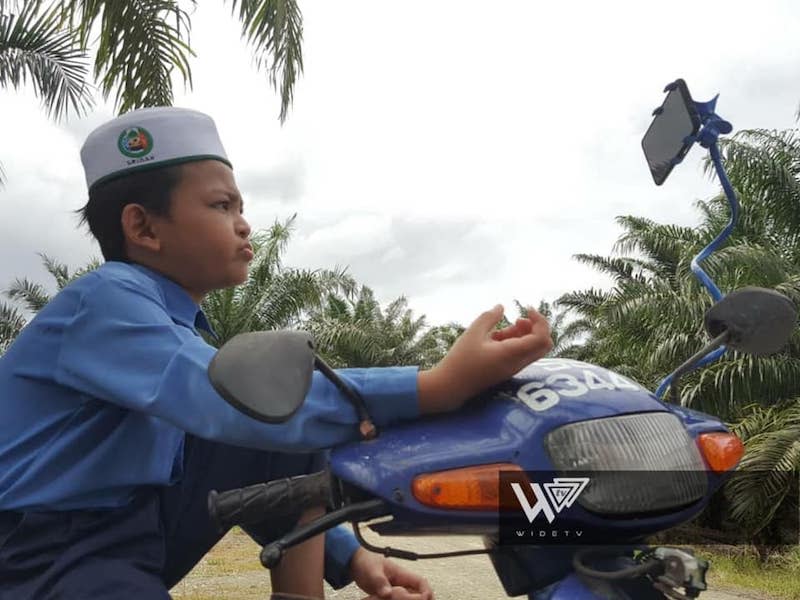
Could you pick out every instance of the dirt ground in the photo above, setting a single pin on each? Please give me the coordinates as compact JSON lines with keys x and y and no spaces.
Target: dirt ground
{"x":231,"y":571}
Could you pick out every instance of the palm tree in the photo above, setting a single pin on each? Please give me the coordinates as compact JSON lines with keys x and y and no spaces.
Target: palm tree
{"x":764,"y":492}
{"x":566,"y":334}
{"x":34,"y":296}
{"x":11,"y":323}
{"x":357,"y":332}
{"x":273,"y":297}
{"x":37,"y":47}
{"x":140,"y":45}
{"x":651,"y":318}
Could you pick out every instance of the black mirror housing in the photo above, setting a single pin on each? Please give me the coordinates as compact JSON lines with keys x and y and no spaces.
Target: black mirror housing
{"x":264,"y":374}
{"x":758,"y":321}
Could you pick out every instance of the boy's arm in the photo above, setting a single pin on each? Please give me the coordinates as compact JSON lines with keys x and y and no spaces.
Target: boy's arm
{"x":340,"y":546}
{"x":123,"y":347}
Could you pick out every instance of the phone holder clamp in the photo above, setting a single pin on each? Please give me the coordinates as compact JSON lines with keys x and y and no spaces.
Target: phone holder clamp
{"x":713,"y":124}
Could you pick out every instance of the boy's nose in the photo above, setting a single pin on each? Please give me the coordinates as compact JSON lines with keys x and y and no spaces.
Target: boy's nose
{"x":242,"y":227}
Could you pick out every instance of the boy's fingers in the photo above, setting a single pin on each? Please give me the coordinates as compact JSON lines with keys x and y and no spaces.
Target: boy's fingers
{"x":533,"y":345}
{"x":400,"y":593}
{"x":408,"y":579}
{"x":521,"y":327}
{"x":487,"y":320}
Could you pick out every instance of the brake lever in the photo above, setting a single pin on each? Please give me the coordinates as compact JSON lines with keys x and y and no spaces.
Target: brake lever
{"x":272,"y":553}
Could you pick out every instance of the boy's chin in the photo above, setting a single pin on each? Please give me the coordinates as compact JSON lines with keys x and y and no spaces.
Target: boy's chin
{"x":239,"y":279}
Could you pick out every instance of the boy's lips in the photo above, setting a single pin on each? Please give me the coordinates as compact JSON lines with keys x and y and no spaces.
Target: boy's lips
{"x":247,"y":250}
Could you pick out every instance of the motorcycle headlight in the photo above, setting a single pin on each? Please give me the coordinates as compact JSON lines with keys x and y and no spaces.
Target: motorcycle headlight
{"x":636,"y":463}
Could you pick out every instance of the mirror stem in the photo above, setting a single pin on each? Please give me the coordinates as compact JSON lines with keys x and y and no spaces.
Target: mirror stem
{"x":366,"y":426}
{"x":689,"y":364}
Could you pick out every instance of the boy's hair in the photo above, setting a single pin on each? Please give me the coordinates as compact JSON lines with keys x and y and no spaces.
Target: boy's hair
{"x":152,"y":189}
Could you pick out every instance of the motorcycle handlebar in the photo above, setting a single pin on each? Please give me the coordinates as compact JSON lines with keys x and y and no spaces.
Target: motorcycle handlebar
{"x":279,"y":498}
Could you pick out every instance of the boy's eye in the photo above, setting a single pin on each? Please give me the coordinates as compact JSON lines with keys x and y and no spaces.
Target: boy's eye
{"x":223,"y":204}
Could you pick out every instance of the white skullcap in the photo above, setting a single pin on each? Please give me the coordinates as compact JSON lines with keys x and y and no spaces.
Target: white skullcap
{"x":148,"y":138}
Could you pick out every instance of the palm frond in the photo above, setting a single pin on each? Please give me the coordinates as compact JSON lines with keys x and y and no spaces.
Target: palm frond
{"x":32,"y":295}
{"x":57,"y":269}
{"x":618,"y":268}
{"x":140,"y":45}
{"x":587,"y":302}
{"x":11,"y":323}
{"x":770,"y":465}
{"x":37,"y":47}
{"x":275,"y":30}
{"x":764,"y":165}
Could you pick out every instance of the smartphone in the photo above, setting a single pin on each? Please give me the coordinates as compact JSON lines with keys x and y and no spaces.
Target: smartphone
{"x":664,"y":143}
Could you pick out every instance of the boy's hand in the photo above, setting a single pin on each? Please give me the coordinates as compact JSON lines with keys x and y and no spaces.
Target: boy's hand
{"x":386,"y":580}
{"x":482,"y":357}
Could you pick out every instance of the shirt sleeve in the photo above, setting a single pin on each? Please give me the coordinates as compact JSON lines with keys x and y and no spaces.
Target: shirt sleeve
{"x":340,"y":546}
{"x":123,"y":347}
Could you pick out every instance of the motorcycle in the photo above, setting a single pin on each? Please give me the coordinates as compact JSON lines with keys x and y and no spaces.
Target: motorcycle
{"x":565,"y":469}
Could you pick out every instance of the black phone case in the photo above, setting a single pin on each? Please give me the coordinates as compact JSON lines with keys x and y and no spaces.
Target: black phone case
{"x":678,"y":86}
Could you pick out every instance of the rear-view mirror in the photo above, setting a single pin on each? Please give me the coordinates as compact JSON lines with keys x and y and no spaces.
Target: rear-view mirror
{"x":758,"y":321}
{"x":265,"y":374}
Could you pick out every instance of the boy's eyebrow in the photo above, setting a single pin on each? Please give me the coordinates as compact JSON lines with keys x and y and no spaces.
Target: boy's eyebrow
{"x":234,"y":196}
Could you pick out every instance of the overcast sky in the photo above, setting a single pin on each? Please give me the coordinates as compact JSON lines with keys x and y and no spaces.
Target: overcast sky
{"x":456,"y":152}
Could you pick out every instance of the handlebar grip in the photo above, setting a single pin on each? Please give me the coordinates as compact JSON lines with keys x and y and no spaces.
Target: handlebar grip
{"x":279,"y":498}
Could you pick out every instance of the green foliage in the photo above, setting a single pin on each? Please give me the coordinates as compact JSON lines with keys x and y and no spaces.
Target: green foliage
{"x":11,"y":323}
{"x":274,"y":28}
{"x":767,"y":486}
{"x":32,"y":297}
{"x":651,"y":319}
{"x":357,"y":332}
{"x":36,"y":47}
{"x":273,"y":297}
{"x":141,"y":45}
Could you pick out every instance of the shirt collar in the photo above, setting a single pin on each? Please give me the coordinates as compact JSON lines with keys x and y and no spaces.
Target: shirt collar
{"x":179,"y":303}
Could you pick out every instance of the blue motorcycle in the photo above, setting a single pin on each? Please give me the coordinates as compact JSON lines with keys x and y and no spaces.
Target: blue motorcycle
{"x":565,"y":469}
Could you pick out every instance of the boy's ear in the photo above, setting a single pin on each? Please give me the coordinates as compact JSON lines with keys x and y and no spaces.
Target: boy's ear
{"x":139,"y":229}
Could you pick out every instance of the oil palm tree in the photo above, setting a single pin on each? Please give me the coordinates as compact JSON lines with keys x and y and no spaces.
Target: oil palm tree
{"x":273,"y":297}
{"x":140,"y":45}
{"x":357,"y":332}
{"x":650,"y":319}
{"x":11,"y":323}
{"x":33,"y":296}
{"x":38,"y":49}
{"x":29,"y":297}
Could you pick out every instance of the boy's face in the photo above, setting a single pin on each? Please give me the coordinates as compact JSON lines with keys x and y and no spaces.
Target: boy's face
{"x":203,"y":244}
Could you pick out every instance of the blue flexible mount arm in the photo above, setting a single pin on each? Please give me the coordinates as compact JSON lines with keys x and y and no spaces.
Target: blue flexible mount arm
{"x":712,"y":127}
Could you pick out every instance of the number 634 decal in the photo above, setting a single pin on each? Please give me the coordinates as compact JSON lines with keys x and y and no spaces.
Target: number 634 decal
{"x":545,"y":393}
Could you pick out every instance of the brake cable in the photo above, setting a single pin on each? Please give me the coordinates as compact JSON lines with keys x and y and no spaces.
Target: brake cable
{"x":389,"y":552}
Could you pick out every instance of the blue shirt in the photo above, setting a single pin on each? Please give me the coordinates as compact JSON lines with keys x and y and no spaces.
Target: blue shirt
{"x":99,"y":388}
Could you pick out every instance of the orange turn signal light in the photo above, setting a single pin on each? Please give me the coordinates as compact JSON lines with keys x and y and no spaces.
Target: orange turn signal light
{"x":721,"y":450}
{"x":468,"y":488}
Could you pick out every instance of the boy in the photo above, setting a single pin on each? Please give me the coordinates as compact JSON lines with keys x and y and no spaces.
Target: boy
{"x":112,"y":435}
